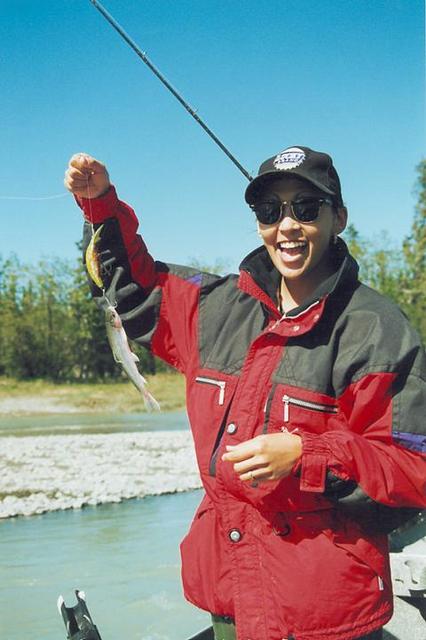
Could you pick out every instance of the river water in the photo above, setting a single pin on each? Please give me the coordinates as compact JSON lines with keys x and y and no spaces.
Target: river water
{"x":75,"y":423}
{"x":124,"y":555}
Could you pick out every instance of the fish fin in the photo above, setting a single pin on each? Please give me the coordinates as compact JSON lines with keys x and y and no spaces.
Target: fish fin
{"x":115,"y":353}
{"x":150,"y":402}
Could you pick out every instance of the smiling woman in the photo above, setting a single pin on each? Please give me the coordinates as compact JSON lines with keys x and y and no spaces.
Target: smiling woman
{"x":298,"y":221}
{"x":306,"y":399}
{"x":299,"y":241}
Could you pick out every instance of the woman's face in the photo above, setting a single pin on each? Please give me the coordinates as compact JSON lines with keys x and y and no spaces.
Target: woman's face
{"x":300,"y":251}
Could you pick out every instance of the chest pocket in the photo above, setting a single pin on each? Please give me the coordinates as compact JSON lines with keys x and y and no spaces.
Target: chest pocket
{"x":209,"y":399}
{"x":220,"y":385}
{"x":295,"y":408}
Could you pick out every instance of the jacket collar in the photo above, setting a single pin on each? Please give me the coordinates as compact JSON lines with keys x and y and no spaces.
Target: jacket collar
{"x":260,"y":278}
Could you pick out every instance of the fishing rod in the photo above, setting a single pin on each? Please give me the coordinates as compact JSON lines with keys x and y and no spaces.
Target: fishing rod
{"x":167,"y":84}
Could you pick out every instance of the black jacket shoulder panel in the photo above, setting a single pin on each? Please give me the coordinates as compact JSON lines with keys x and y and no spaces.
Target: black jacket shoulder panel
{"x":373,"y":336}
{"x":229,"y":320}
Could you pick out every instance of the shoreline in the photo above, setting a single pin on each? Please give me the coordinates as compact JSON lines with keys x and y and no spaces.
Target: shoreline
{"x":39,"y":397}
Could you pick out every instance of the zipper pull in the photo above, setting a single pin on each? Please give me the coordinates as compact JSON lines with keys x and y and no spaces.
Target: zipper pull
{"x":218,"y":383}
{"x":222,"y":392}
{"x":286,"y":401}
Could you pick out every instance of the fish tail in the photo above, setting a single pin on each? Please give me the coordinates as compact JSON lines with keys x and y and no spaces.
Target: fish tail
{"x":151,"y":403}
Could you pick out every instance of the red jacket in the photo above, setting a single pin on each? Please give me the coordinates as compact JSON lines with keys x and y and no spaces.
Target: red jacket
{"x":305,"y":557}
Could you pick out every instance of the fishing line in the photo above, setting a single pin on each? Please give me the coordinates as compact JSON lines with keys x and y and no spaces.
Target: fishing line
{"x":166,"y":83}
{"x":33,"y":198}
{"x":90,"y":204}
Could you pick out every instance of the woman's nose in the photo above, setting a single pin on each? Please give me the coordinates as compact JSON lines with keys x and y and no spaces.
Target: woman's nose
{"x":288,"y":221}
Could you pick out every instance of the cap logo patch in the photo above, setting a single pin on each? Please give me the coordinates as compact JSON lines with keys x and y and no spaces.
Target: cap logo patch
{"x":289,"y":158}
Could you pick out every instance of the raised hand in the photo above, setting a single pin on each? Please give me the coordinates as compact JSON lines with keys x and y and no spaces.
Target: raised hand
{"x":86,"y":177}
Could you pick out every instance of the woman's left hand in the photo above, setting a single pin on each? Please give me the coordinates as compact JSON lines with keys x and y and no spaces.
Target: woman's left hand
{"x":266,"y":457}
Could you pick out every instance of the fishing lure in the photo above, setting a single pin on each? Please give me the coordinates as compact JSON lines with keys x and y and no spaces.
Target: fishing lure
{"x":92,"y":258}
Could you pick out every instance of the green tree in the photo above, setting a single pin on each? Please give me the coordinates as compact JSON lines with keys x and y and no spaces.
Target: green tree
{"x":399,"y":273}
{"x":10,"y":291}
{"x":414,"y":247}
{"x":92,"y":357}
{"x":380,"y":262}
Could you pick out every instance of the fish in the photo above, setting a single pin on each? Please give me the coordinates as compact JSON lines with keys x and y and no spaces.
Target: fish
{"x":124,"y":355}
{"x":92,"y":259}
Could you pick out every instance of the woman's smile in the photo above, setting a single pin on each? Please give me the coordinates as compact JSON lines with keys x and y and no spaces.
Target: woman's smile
{"x":291,"y":251}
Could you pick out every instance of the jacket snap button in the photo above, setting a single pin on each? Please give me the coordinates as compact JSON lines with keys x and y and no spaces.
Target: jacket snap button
{"x":235,"y":535}
{"x":231,"y":428}
{"x":296,"y":327}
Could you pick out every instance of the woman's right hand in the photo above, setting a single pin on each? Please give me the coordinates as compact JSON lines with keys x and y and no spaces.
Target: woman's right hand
{"x":86,"y":177}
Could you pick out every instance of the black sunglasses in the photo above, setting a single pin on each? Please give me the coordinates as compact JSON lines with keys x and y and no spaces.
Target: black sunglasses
{"x":272,"y":210}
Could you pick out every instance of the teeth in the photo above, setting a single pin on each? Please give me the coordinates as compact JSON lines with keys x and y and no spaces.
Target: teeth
{"x":291,"y":245}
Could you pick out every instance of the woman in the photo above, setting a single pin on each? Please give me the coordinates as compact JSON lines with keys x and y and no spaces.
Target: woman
{"x":305,"y":394}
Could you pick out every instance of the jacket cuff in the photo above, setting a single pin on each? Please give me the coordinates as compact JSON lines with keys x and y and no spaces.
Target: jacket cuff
{"x":313,"y":468}
{"x":97,"y":210}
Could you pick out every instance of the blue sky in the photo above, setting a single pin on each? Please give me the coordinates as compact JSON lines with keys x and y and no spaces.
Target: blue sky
{"x":341,"y":76}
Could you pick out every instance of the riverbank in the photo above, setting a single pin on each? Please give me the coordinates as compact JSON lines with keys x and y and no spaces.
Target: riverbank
{"x":47,"y":473}
{"x":39,"y":397}
{"x":70,"y":445}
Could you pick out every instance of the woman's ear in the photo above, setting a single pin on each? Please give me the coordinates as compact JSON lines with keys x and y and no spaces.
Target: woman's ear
{"x":340,"y":220}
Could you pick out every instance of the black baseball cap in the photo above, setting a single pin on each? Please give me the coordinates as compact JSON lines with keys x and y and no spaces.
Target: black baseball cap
{"x":314,"y":166}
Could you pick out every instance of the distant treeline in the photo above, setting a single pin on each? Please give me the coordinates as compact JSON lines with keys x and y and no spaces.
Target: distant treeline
{"x":50,"y":328}
{"x":398,"y":271}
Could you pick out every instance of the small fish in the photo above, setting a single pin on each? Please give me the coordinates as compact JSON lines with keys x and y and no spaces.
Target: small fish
{"x":92,"y":259}
{"x":125,"y":356}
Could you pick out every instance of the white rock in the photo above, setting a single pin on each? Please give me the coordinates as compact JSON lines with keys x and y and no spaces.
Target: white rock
{"x":45,"y":473}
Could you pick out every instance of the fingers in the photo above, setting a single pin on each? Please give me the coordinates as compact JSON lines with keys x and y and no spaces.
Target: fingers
{"x":75,"y":180}
{"x":86,"y":176}
{"x":253,"y":471}
{"x":265,"y":457}
{"x":247,"y":460}
{"x":257,"y":475}
{"x":86,"y":164}
{"x":242,"y":451}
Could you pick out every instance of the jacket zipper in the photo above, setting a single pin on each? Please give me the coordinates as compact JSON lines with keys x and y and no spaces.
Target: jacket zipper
{"x":306,"y":404}
{"x":267,"y":407}
{"x":218,"y":383}
{"x":213,"y":459}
